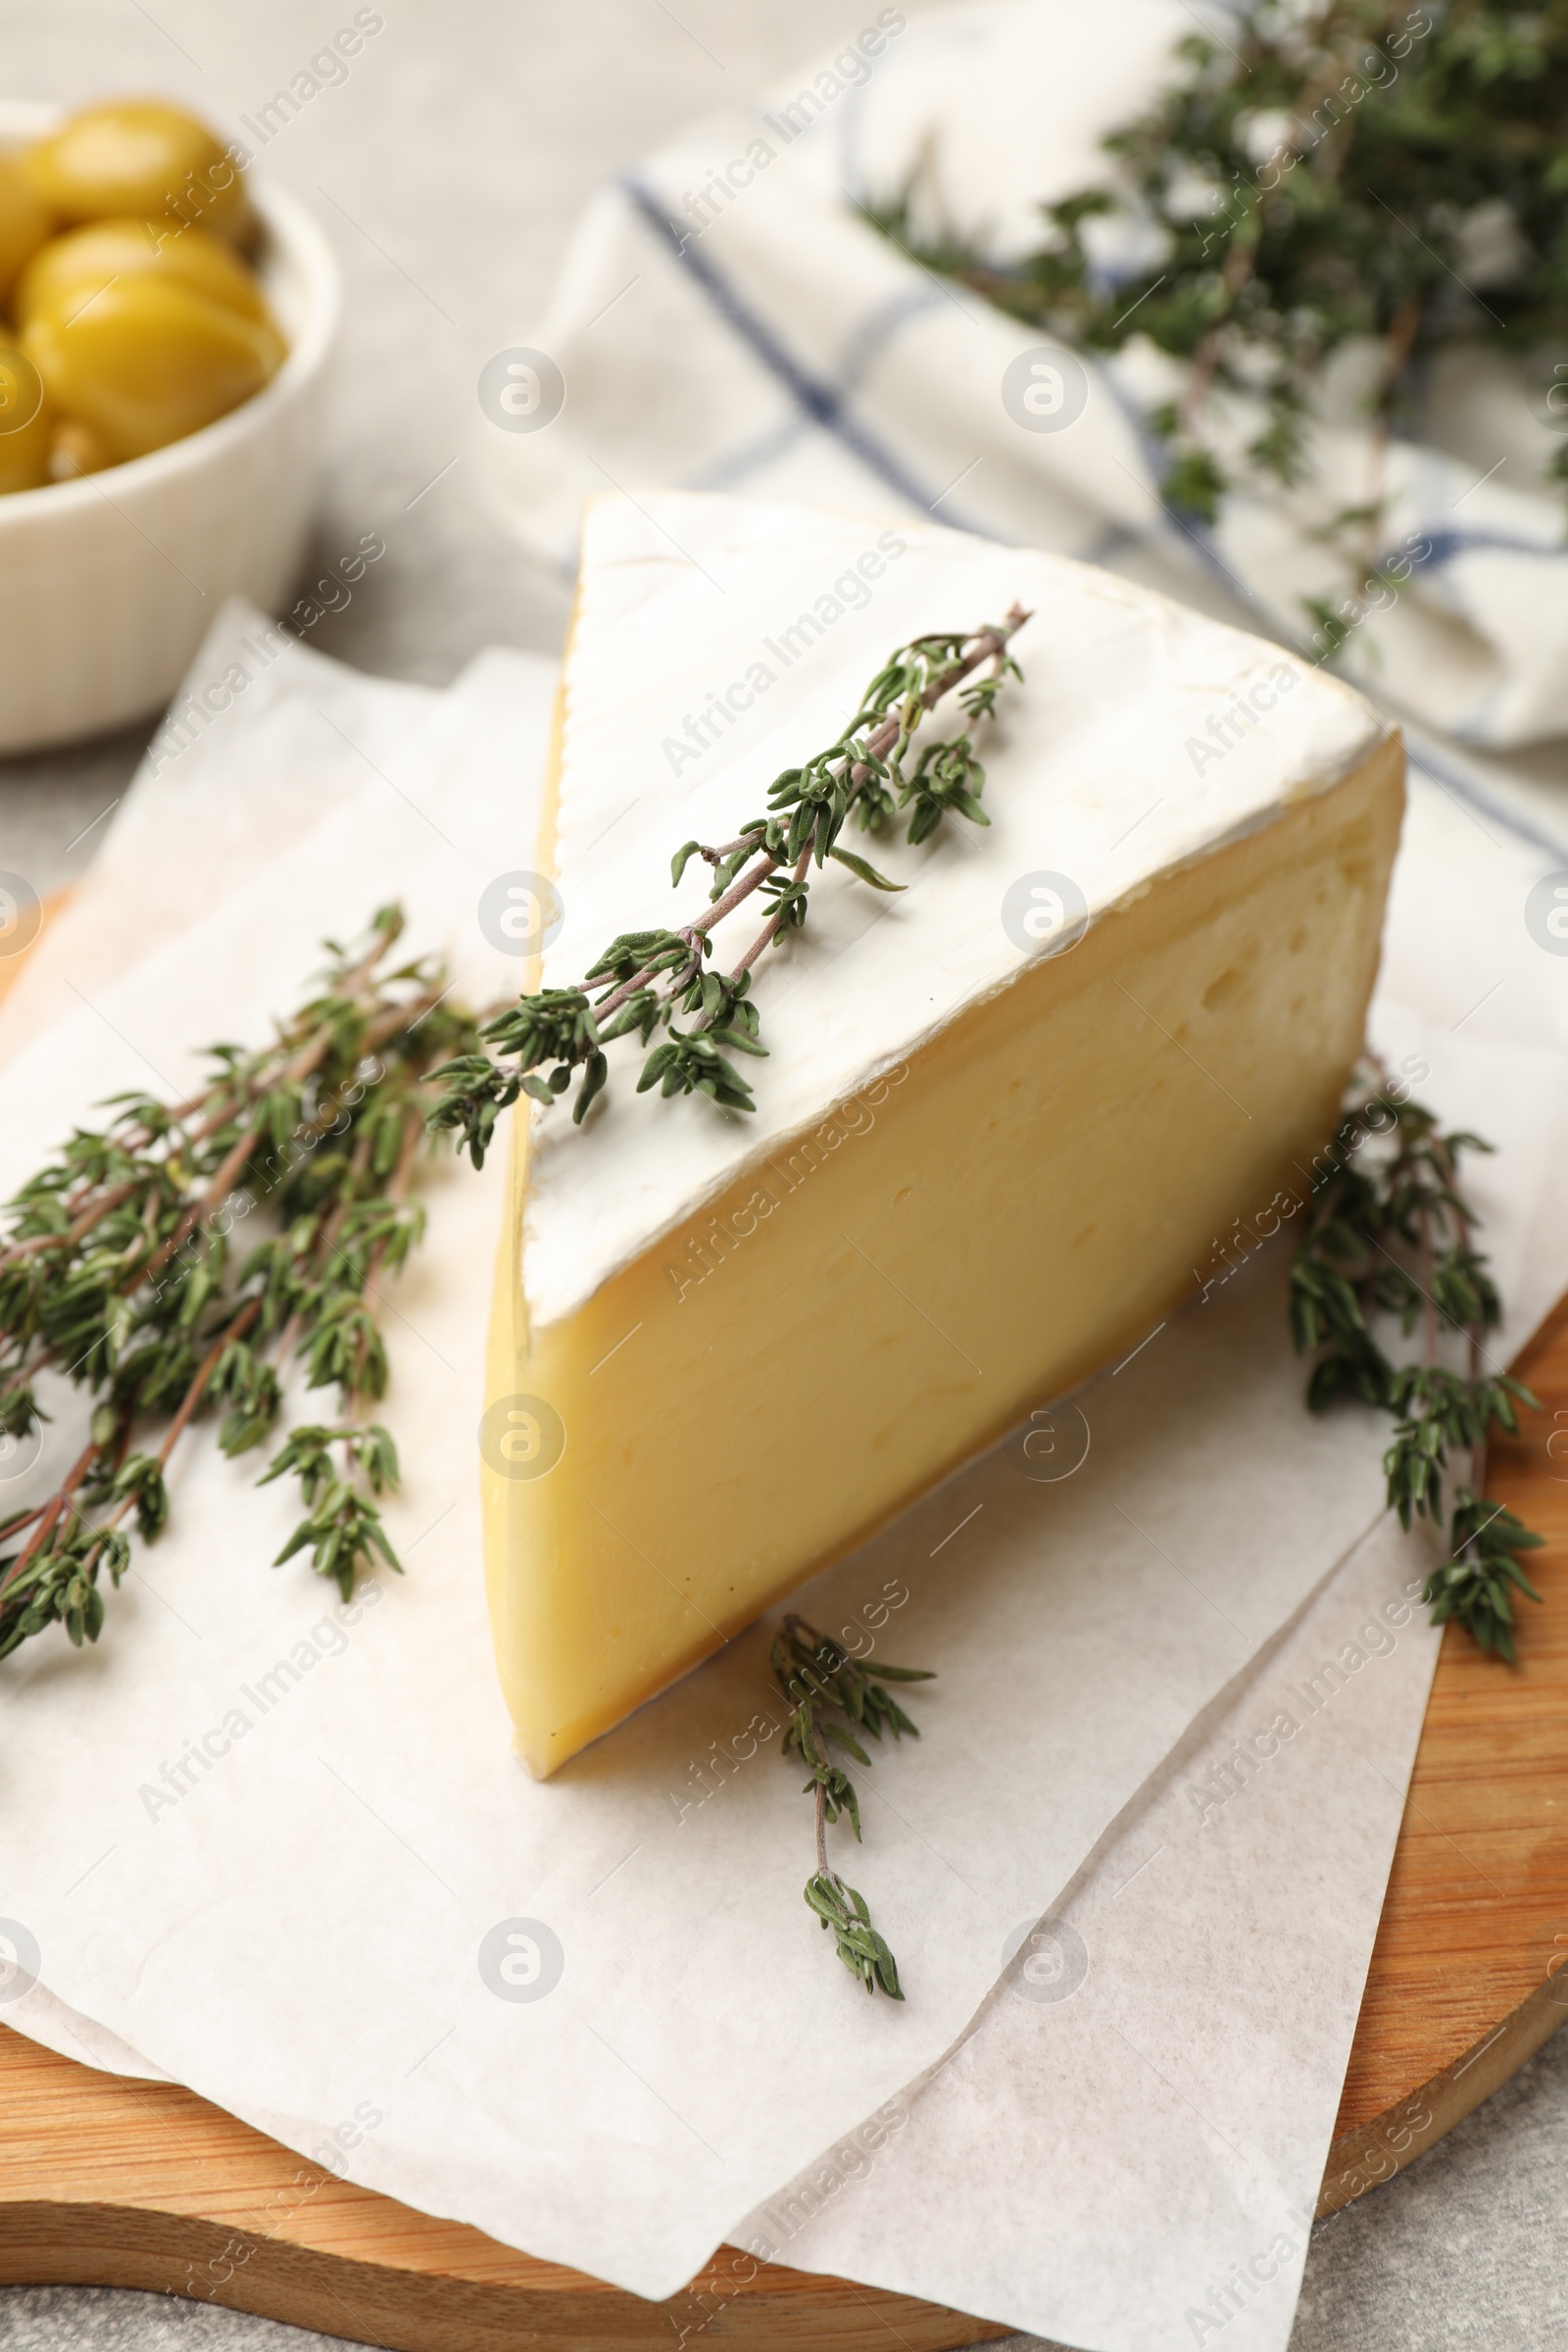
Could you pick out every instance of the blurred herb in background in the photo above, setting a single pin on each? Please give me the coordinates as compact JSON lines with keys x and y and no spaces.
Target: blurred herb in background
{"x":1325,"y":174}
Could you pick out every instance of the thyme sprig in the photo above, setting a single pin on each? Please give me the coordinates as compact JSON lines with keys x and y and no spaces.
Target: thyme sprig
{"x":1390,"y":1238}
{"x":832,"y":1700}
{"x":1347,"y":171}
{"x":644,"y":979}
{"x":118,"y":1272}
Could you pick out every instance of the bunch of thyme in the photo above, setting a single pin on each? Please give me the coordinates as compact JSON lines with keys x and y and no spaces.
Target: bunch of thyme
{"x":1390,"y":1235}
{"x":1405,"y":141}
{"x":118,"y":1273}
{"x":832,"y":1697}
{"x":645,"y":978}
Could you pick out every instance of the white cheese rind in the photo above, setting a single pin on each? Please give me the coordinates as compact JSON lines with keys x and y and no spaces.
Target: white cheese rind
{"x":1121,"y":757}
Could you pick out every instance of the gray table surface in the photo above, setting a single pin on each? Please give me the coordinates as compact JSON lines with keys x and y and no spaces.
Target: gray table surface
{"x":452,"y":163}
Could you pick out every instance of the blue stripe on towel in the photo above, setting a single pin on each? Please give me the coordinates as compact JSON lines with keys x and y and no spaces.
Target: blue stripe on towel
{"x":869,"y":340}
{"x":823,"y":403}
{"x":1446,"y":545}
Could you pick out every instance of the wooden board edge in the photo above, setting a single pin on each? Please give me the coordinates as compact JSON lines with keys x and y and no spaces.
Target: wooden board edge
{"x":770,"y":2309}
{"x":49,"y":2243}
{"x":1365,"y":2158}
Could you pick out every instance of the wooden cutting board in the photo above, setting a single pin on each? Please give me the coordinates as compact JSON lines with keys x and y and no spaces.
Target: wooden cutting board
{"x":106,"y":2182}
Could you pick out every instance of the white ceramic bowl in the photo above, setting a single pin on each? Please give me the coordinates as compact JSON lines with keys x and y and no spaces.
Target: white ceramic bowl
{"x":108,"y":585}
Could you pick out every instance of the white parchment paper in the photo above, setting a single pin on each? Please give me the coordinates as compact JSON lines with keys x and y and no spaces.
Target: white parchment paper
{"x":371,"y":1819}
{"x":1126,"y":2149}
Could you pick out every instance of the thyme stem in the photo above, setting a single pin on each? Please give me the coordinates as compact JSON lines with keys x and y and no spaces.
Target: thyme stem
{"x":118,"y":1265}
{"x":49,"y":1515}
{"x":1392,"y":1236}
{"x":832,"y":1698}
{"x":645,"y":978}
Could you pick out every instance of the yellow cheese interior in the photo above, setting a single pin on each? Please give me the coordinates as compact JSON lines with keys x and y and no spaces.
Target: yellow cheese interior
{"x":965,"y":1241}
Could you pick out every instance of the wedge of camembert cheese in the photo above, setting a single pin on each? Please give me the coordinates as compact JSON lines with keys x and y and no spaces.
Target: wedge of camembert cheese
{"x":1006,"y":1113}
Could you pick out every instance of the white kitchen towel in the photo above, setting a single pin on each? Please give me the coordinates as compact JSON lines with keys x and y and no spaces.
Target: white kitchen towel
{"x":725,"y":318}
{"x":440,"y":1747}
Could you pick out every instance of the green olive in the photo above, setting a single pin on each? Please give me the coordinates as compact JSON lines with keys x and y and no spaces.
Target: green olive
{"x":23,"y":222}
{"x":151,"y":361}
{"x":137,"y":158}
{"x":72,"y":270}
{"x":24,"y":423}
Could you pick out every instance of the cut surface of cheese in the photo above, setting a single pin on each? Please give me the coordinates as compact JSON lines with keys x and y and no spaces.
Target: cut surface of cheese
{"x":992,"y":1146}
